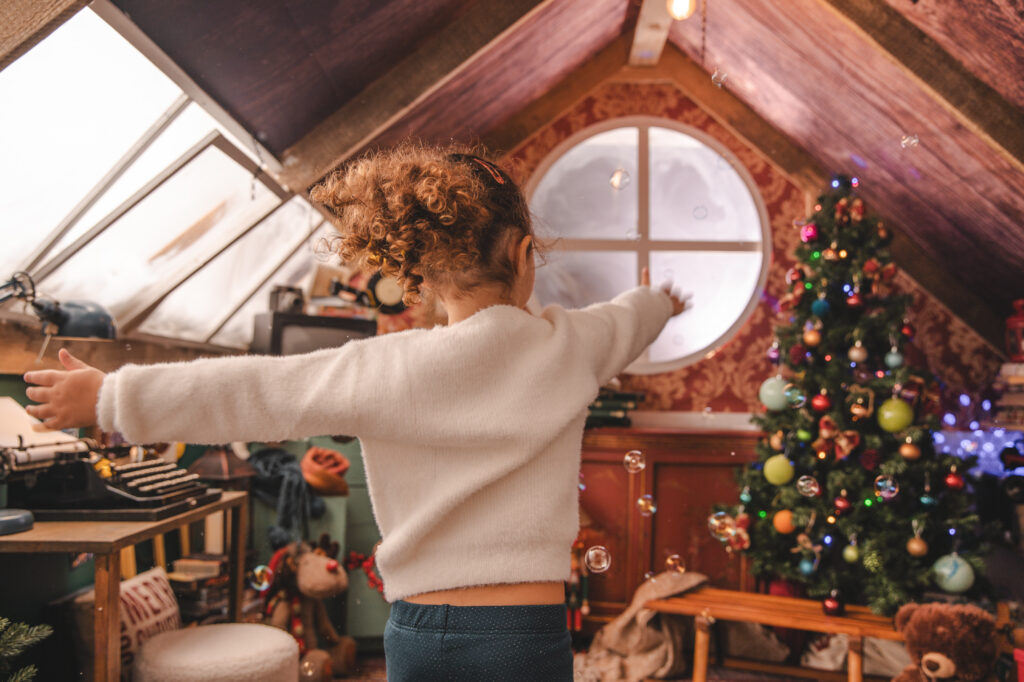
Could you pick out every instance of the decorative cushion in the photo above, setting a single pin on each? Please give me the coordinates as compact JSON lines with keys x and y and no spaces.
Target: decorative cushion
{"x":324,"y":470}
{"x":226,"y":652}
{"x":148,"y":607}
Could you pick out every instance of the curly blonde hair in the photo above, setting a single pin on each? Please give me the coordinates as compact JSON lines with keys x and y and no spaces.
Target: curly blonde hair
{"x":444,"y":215}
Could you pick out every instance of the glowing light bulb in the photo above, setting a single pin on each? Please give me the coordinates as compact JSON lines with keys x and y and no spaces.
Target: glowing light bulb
{"x":681,"y":9}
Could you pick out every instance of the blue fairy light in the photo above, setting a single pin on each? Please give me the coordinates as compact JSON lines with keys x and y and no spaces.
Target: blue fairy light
{"x":952,"y":531}
{"x":949,"y":418}
{"x":973,"y":426}
{"x":847,"y":289}
{"x":853,"y":364}
{"x":986,"y":405}
{"x":855,"y":182}
{"x":835,"y":183}
{"x":965,"y":400}
{"x":827,"y":540}
{"x":939,"y":439}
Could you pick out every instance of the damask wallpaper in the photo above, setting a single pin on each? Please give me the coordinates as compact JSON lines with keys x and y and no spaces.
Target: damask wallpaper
{"x":728,"y":381}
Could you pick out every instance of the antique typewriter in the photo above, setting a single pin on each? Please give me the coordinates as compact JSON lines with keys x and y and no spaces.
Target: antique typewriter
{"x":75,"y":480}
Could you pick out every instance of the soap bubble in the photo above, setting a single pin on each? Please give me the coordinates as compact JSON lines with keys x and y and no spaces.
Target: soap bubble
{"x":721,"y":526}
{"x":619,"y":178}
{"x":886,"y":487}
{"x":634,"y":461}
{"x":909,"y":141}
{"x":808,"y":486}
{"x":598,"y":559}
{"x":323,"y":250}
{"x":719,"y":77}
{"x":674,"y":562}
{"x":795,"y":396}
{"x":307,"y":671}
{"x":649,"y":575}
{"x":646,"y":505}
{"x":260,"y":577}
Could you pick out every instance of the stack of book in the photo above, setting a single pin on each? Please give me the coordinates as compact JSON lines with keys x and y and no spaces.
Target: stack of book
{"x":200,"y":582}
{"x":612,"y":408}
{"x":1009,"y":413}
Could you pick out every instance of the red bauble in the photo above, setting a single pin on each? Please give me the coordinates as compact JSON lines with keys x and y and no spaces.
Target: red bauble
{"x":797,"y":355}
{"x":907,"y":330}
{"x":954,"y":481}
{"x":843,"y":504}
{"x":869,"y":459}
{"x":821,"y":403}
{"x":854,"y":300}
{"x":833,"y":604}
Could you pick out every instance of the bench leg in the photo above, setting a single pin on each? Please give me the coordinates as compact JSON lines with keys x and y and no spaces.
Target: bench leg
{"x":855,"y":659}
{"x":700,"y":648}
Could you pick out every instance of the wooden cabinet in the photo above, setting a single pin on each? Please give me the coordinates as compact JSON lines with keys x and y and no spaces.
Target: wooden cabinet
{"x":687,"y":473}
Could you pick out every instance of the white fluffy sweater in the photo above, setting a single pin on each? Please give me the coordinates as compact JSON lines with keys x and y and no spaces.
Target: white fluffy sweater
{"x":471,"y":433}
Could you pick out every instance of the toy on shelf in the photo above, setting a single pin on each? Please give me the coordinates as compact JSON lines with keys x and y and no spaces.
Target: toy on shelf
{"x":947,"y":642}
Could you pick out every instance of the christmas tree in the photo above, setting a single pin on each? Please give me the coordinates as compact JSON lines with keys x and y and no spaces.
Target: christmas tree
{"x":849,"y":497}
{"x":14,"y":639}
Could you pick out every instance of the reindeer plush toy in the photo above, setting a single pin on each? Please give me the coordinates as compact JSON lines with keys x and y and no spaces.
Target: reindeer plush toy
{"x":303,"y":575}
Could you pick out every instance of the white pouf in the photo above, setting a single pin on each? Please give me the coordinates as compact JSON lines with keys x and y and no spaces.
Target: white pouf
{"x":226,"y":652}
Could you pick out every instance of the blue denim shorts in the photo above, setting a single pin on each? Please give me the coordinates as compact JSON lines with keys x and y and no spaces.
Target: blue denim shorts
{"x":431,"y":643}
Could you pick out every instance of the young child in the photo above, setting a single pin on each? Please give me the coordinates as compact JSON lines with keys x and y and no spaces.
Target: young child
{"x":470,"y":432}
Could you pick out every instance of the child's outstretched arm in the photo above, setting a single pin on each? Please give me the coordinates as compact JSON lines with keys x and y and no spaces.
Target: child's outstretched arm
{"x":615,"y":333}
{"x":216,"y":400}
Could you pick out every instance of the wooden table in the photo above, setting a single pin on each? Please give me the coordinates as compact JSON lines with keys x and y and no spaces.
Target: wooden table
{"x":708,"y":604}
{"x":105,"y":540}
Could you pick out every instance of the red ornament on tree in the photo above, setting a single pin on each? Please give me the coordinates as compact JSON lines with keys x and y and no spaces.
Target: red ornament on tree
{"x":954,"y":481}
{"x":907,"y":330}
{"x":797,"y":355}
{"x":869,"y":459}
{"x":843,"y":504}
{"x":821,"y":403}
{"x":854,"y":300}
{"x":833,"y":604}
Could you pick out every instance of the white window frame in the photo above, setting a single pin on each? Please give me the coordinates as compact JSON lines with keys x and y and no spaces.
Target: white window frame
{"x":643,"y":245}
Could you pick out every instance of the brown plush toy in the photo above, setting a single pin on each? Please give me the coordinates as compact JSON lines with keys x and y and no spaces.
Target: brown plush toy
{"x":947,"y":642}
{"x":303,"y":575}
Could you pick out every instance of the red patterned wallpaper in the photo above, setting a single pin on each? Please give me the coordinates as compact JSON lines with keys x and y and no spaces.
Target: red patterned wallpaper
{"x":728,"y":381}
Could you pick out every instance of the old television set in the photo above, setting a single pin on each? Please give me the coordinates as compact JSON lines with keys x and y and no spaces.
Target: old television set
{"x":277,"y":333}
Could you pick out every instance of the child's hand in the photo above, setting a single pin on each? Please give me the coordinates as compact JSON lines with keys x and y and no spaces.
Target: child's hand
{"x":680,"y":301}
{"x":66,"y":399}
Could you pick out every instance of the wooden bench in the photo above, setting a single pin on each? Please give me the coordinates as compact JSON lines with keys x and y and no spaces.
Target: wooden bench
{"x":708,"y":604}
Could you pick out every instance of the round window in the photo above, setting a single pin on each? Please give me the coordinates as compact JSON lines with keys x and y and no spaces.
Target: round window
{"x":646,"y":192}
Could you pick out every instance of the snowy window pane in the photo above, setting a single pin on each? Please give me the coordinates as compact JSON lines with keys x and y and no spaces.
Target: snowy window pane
{"x":193,"y":310}
{"x":591,"y":190}
{"x":175,"y":228}
{"x":696,"y":195}
{"x":722,"y":282}
{"x":75,"y":104}
{"x":575,"y":279}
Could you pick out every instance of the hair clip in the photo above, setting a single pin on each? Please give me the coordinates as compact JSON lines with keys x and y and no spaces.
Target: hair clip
{"x":490,"y":168}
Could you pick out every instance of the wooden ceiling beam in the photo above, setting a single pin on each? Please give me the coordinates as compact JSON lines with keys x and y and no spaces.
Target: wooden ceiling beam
{"x":651,"y":33}
{"x":979,"y":107}
{"x":440,"y":58}
{"x":23,"y":23}
{"x":558,"y":99}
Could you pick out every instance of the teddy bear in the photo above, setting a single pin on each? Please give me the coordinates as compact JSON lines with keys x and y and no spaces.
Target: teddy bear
{"x":303,"y":574}
{"x":947,"y":642}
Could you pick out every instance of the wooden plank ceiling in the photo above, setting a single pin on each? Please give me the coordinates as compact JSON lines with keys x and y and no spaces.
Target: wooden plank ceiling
{"x":843,"y":79}
{"x":831,"y":89}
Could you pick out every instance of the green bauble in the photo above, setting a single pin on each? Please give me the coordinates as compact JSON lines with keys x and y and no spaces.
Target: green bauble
{"x":895,"y":415}
{"x":778,"y":470}
{"x":803,"y":435}
{"x":773,"y":393}
{"x":953,"y":574}
{"x":851,"y":554}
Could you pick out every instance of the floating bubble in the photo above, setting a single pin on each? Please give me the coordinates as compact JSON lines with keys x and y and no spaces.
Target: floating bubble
{"x":646,"y":505}
{"x":808,"y":486}
{"x":582,"y":485}
{"x":795,"y":396}
{"x":886,"y":487}
{"x":260,"y":577}
{"x":721,"y":526}
{"x":719,"y":77}
{"x":619,"y":178}
{"x":598,"y":559}
{"x":323,"y":250}
{"x":700,"y":212}
{"x":649,"y":575}
{"x":674,"y":563}
{"x":634,"y":461}
{"x":632,"y":234}
{"x":909,"y":141}
{"x":307,"y":671}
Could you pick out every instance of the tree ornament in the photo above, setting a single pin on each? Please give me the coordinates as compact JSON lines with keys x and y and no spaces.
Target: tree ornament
{"x":830,"y":254}
{"x":862,"y":402}
{"x":953,"y":574}
{"x":772,"y":393}
{"x":820,"y":306}
{"x":909,"y":451}
{"x":795,"y":396}
{"x":954,"y":481}
{"x":795,"y":274}
{"x":803,"y":435}
{"x":857,"y":353}
{"x":854,"y":300}
{"x":812,"y":337}
{"x":869,"y":459}
{"x":745,"y":496}
{"x":907,"y":330}
{"x":884,"y":234}
{"x":895,"y":415}
{"x":894,"y":358}
{"x":721,"y":525}
{"x":808,"y":233}
{"x":783,"y":522}
{"x":778,"y":470}
{"x":797,"y":354}
{"x":774,"y":354}
{"x":833,"y":604}
{"x":821,"y":402}
{"x":806,"y":566}
{"x":842,"y":503}
{"x":851,"y":553}
{"x":915,"y":545}
{"x":808,"y":486}
{"x":777,"y":440}
{"x":886,"y":487}
{"x":926,"y":498}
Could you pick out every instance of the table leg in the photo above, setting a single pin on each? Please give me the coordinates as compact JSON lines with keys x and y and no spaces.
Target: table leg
{"x":239,"y":533}
{"x":700,"y":648}
{"x":107,"y":618}
{"x":855,"y":659}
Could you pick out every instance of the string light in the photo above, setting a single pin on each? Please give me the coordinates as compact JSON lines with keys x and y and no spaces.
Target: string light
{"x":681,"y":9}
{"x":868,"y":502}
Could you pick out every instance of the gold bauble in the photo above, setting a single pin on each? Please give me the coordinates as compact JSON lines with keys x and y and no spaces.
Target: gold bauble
{"x":917,"y":547}
{"x":812,"y":337}
{"x":910,"y":452}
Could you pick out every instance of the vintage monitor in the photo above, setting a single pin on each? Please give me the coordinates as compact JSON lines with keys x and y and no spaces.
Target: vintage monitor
{"x":291,"y":334}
